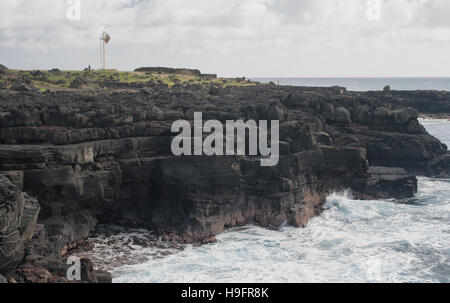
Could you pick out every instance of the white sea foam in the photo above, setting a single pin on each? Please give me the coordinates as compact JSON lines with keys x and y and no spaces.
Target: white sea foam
{"x":117,"y":246}
{"x":352,"y":241}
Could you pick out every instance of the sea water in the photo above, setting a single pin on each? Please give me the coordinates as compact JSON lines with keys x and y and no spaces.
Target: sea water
{"x":352,"y":241}
{"x":365,"y":84}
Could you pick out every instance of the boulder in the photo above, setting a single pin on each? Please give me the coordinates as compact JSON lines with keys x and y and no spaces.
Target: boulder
{"x":323,"y":138}
{"x":385,"y":182}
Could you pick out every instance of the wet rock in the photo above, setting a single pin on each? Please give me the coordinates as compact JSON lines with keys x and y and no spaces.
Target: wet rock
{"x":29,"y":218}
{"x":35,"y":275}
{"x":386,"y":182}
{"x":87,"y":271}
{"x":103,"y":277}
{"x":440,"y":166}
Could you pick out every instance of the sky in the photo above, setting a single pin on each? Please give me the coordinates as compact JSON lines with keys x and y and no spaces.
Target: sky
{"x":253,"y":38}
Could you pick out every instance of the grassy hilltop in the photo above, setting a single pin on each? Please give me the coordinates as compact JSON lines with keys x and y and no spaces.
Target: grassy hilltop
{"x":57,"y":80}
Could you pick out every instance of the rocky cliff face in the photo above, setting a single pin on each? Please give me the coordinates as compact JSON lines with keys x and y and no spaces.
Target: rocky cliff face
{"x":69,"y":160}
{"x":436,"y":103}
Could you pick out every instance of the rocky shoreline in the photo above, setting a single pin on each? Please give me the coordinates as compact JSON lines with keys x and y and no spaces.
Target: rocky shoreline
{"x":436,"y":117}
{"x":73,"y":159}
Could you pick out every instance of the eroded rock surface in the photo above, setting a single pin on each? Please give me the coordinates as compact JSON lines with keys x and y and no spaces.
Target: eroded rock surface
{"x":76,"y":159}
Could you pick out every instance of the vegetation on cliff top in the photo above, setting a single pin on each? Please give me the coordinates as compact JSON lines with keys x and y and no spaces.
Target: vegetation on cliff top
{"x":57,"y":80}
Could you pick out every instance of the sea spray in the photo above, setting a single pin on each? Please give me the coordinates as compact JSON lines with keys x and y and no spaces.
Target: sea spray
{"x":353,"y":241}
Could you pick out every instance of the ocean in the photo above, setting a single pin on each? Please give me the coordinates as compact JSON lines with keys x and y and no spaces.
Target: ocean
{"x":365,"y":84}
{"x":353,"y":241}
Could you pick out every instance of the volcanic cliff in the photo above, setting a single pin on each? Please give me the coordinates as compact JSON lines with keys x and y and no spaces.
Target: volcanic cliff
{"x":73,"y":158}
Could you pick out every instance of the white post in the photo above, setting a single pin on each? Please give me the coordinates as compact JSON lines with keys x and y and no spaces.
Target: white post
{"x":104,"y":55}
{"x":104,"y":38}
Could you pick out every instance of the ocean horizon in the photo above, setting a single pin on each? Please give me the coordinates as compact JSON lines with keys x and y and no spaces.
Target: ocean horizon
{"x":364,"y":83}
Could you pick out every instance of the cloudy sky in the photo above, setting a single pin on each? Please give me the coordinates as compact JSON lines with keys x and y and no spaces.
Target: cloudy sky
{"x":278,"y":38}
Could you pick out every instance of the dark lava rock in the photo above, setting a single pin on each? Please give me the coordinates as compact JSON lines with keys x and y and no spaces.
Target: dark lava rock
{"x":55,"y":71}
{"x":78,"y":82}
{"x":168,"y":70}
{"x":83,"y":157}
{"x":214,"y":91}
{"x":18,"y":216}
{"x":387,"y":182}
{"x":342,"y":115}
{"x":37,"y":73}
{"x":21,"y":87}
{"x":11,"y":244}
{"x":323,"y":138}
{"x":103,"y":277}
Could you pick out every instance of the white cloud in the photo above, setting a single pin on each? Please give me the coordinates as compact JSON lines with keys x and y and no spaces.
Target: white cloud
{"x":233,"y":37}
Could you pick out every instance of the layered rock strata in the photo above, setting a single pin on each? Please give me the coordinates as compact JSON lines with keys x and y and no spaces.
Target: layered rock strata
{"x":69,"y":160}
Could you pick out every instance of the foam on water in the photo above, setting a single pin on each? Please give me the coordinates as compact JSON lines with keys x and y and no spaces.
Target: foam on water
{"x":352,"y":241}
{"x":115,"y":246}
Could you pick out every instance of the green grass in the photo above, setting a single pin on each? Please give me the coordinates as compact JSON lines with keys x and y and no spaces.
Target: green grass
{"x":46,"y":80}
